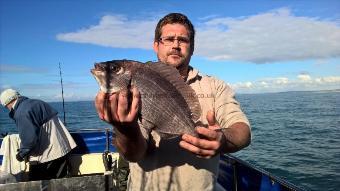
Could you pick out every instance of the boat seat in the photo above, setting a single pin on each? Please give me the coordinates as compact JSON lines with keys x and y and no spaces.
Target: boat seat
{"x":84,"y":164}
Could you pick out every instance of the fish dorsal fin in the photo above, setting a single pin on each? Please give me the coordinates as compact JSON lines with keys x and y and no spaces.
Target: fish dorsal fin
{"x":172,"y":75}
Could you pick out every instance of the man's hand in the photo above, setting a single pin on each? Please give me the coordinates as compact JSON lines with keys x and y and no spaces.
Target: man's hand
{"x":121,"y":111}
{"x":116,"y":109}
{"x":210,"y":141}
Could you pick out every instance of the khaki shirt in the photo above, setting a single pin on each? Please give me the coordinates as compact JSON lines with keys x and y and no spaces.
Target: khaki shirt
{"x":169,"y":167}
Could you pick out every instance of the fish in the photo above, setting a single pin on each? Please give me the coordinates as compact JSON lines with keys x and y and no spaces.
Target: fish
{"x":169,"y":106}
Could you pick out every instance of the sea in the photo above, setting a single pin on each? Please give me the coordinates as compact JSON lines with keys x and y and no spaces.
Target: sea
{"x":295,"y":135}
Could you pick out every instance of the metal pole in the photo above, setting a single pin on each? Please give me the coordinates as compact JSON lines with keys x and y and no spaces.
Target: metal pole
{"x":62,"y":93}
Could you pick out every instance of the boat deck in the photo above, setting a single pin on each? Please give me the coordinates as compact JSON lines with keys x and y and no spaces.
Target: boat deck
{"x":96,"y":166}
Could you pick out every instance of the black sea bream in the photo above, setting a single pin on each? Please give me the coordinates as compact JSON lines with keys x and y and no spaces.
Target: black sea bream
{"x":168,"y":105}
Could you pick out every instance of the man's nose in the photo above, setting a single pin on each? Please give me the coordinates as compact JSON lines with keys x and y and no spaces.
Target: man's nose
{"x":176,"y":43}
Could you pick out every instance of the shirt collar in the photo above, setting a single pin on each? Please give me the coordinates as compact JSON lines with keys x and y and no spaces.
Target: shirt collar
{"x":12,"y":111}
{"x":15,"y":103}
{"x":192,"y":74}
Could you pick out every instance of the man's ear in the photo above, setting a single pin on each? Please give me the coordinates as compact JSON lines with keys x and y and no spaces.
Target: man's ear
{"x":155,"y":47}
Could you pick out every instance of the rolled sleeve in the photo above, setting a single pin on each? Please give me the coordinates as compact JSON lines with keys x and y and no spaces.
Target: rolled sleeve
{"x":227,"y":108}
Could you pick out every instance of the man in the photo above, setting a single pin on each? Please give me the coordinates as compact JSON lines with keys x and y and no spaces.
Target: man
{"x":45,"y":142}
{"x":190,"y":163}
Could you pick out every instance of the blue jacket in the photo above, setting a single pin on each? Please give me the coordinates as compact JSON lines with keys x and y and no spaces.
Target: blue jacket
{"x":29,"y":115}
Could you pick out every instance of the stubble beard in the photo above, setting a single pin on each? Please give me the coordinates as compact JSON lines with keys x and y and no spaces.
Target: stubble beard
{"x":177,"y":63}
{"x":181,"y":65}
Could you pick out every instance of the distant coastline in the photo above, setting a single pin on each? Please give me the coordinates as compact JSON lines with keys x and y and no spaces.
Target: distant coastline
{"x":258,"y":93}
{"x":294,"y":91}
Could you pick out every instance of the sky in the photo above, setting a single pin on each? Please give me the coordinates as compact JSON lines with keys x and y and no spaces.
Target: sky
{"x":254,"y":46}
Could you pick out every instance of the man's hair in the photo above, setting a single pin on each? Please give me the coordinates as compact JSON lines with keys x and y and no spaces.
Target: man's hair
{"x":176,"y":18}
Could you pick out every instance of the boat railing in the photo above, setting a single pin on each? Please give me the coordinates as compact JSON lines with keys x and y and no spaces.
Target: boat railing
{"x":236,"y":174}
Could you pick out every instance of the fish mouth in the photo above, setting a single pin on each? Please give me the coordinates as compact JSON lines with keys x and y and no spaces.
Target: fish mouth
{"x":99,"y":66}
{"x":93,"y":71}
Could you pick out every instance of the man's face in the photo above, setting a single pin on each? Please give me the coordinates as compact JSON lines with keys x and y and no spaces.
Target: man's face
{"x":174,"y":46}
{"x":9,"y":106}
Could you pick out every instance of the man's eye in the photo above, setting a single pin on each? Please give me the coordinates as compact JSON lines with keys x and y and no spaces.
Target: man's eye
{"x":169,"y":39}
{"x":182,"y":41}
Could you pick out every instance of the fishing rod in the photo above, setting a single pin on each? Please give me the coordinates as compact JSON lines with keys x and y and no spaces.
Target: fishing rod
{"x":62,"y":93}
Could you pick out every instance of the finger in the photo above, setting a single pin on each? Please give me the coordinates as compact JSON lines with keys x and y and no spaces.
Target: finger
{"x":135,"y":103}
{"x":123,"y":104}
{"x":211,"y":118}
{"x":201,"y":143}
{"x":113,"y":116}
{"x":208,"y":133}
{"x":107,"y":109}
{"x":202,"y":153}
{"x":99,"y":104}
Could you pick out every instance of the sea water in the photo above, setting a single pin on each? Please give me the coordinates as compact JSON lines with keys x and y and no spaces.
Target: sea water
{"x":295,"y":135}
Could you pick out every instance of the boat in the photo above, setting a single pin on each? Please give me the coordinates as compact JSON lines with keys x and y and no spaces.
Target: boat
{"x":96,"y":165}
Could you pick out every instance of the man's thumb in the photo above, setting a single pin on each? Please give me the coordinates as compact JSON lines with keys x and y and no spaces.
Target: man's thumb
{"x":211,"y":118}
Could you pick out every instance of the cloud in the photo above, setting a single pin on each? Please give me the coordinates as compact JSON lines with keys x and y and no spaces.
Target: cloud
{"x":15,"y":68}
{"x":280,"y":81}
{"x":304,"y":77}
{"x":268,"y":37}
{"x":73,"y":91}
{"x":302,"y":82}
{"x":274,"y":36}
{"x":330,"y":79}
{"x":115,"y":31}
{"x":244,"y":85}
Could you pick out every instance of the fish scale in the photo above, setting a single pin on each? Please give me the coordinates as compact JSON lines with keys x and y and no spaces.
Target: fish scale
{"x":162,"y":111}
{"x":168,"y":105}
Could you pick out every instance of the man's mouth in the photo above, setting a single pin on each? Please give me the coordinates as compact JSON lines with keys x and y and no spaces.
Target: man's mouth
{"x":175,"y":54}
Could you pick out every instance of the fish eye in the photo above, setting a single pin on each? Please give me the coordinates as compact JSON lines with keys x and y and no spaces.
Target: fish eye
{"x":114,"y":68}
